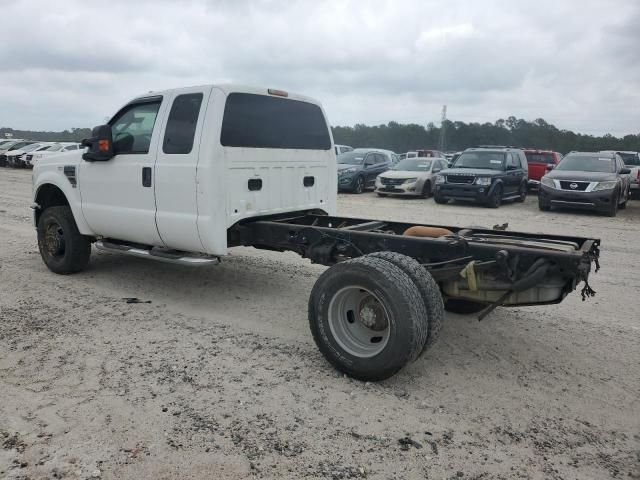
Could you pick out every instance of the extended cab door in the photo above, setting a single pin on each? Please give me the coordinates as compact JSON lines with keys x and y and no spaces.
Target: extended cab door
{"x":176,"y":169}
{"x":118,"y":200}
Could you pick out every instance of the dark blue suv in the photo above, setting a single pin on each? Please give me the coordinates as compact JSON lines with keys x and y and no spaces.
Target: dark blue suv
{"x":358,"y":170}
{"x":486,"y":176}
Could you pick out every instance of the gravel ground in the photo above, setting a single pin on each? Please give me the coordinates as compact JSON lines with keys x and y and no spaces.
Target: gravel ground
{"x":218,"y":377}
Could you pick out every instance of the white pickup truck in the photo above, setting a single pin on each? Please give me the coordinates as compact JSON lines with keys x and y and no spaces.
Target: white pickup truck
{"x":182,"y":175}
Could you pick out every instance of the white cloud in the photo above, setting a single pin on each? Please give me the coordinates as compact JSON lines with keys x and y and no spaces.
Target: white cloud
{"x":574,"y":63}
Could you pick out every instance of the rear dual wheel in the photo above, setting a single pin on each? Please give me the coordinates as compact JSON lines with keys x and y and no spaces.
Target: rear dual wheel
{"x":369,"y":315}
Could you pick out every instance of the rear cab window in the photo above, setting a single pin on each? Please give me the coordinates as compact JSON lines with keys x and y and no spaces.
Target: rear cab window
{"x":181,"y":125}
{"x":260,"y":121}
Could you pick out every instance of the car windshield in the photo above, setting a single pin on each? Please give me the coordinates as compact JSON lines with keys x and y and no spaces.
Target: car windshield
{"x":351,"y":158}
{"x":413,"y":165}
{"x":533,"y":157}
{"x":630,"y":158}
{"x":586,"y":163}
{"x":19,"y":145}
{"x":29,"y":148}
{"x":490,"y":160}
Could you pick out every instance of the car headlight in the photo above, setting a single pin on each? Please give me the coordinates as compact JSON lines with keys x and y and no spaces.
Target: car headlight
{"x":547,"y":182}
{"x":346,"y":171}
{"x":605,"y":186}
{"x":483,"y":181}
{"x":439,"y":179}
{"x":410,"y":180}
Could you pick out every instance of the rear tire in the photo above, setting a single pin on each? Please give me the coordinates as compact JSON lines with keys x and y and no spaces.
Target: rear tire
{"x":428,"y":288}
{"x":463,"y":307}
{"x":522,"y":193}
{"x":63,"y":248}
{"x":367,"y":318}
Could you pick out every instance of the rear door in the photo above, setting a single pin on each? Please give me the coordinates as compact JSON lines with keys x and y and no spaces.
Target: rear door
{"x":176,"y":169}
{"x":513,"y":175}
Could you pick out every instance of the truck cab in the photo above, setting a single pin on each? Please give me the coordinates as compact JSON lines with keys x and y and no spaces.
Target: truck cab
{"x":177,"y":168}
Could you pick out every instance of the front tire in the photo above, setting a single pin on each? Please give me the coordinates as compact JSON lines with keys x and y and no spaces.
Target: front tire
{"x":613,"y":207}
{"x":426,"y":189}
{"x":522,"y":193}
{"x":496,"y":197}
{"x":440,"y":200}
{"x":367,"y":318}
{"x":359,"y":186}
{"x":62,"y":247}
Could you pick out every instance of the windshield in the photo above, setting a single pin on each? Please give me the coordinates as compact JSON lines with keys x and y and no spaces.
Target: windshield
{"x":630,"y":158}
{"x":490,"y":160}
{"x":19,"y":145}
{"x":351,"y":158}
{"x":539,"y":157}
{"x":29,"y":148}
{"x":413,"y":165}
{"x":586,"y":163}
{"x":54,"y":148}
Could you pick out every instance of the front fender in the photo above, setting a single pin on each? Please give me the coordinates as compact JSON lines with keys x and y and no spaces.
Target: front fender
{"x":58,"y":179}
{"x":494,"y":185}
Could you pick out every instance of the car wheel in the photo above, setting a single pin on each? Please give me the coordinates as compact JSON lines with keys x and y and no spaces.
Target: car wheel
{"x":623,"y":205}
{"x":543,"y":206}
{"x":440,"y":200}
{"x":359,"y":186}
{"x":522,"y":193}
{"x":613,"y":206}
{"x":426,"y":190}
{"x":367,"y":318}
{"x":382,"y":194}
{"x":63,"y":248}
{"x":496,"y":197}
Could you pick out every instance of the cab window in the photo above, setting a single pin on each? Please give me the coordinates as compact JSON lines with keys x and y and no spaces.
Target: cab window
{"x":133,"y":126}
{"x":181,"y":125}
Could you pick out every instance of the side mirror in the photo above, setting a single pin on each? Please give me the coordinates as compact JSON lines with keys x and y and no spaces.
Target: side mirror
{"x":100,"y":145}
{"x":550,"y":166}
{"x":625,"y":171}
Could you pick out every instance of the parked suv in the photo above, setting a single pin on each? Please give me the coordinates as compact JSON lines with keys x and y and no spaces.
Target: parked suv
{"x":587,"y":180}
{"x":358,"y":170}
{"x":632,"y":161}
{"x":538,"y":161}
{"x":486,"y":176}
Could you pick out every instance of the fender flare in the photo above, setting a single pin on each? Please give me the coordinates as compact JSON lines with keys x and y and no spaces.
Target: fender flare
{"x":71,"y":194}
{"x":494,"y":186}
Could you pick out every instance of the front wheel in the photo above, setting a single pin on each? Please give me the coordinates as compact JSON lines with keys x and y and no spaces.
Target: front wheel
{"x":426,"y":190}
{"x":613,"y":205}
{"x":62,"y":247}
{"x":440,"y":200}
{"x":495,"y":200}
{"x":522,"y":193}
{"x":359,"y":186}
{"x":367,"y":318}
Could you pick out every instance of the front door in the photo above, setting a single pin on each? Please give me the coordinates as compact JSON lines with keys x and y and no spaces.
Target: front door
{"x":118,"y":198}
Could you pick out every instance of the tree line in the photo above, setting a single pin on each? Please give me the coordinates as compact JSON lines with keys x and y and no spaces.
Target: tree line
{"x":460,"y":135}
{"x":406,"y":137}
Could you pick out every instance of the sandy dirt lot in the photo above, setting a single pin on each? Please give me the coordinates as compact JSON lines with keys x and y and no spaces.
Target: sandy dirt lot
{"x":218,"y":376}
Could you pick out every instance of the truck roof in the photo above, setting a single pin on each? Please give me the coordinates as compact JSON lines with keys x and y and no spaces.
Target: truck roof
{"x":234,"y":88}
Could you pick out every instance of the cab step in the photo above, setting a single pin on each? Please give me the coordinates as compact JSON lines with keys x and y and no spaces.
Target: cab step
{"x":157,"y":253}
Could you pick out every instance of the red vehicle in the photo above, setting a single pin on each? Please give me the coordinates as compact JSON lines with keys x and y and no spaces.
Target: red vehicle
{"x":538,"y":161}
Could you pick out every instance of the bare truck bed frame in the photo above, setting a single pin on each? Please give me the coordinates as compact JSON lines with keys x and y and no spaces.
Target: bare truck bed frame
{"x":518,"y":260}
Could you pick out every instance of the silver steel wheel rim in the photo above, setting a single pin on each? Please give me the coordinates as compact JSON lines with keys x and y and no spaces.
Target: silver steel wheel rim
{"x":359,"y":322}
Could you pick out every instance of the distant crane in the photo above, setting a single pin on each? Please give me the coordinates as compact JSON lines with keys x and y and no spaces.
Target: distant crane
{"x":442,"y":143}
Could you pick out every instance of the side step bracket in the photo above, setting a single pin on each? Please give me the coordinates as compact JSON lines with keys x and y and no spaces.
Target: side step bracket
{"x":155,"y":253}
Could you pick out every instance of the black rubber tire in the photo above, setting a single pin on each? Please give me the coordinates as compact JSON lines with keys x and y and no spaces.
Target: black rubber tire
{"x":463,"y":307}
{"x":405,"y":309}
{"x":428,"y":288}
{"x":358,"y":187}
{"x":426,"y":189}
{"x":613,"y":207}
{"x":440,"y":200}
{"x":381,"y":194}
{"x":623,"y":205}
{"x":495,"y":200}
{"x":77,"y":247}
{"x":543,"y":206}
{"x":522,"y":191}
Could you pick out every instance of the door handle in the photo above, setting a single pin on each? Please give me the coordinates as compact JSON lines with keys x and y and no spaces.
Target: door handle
{"x":146,"y":176}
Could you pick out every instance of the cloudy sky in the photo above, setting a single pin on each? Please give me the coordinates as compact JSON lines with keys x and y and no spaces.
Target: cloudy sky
{"x":575,"y":63}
